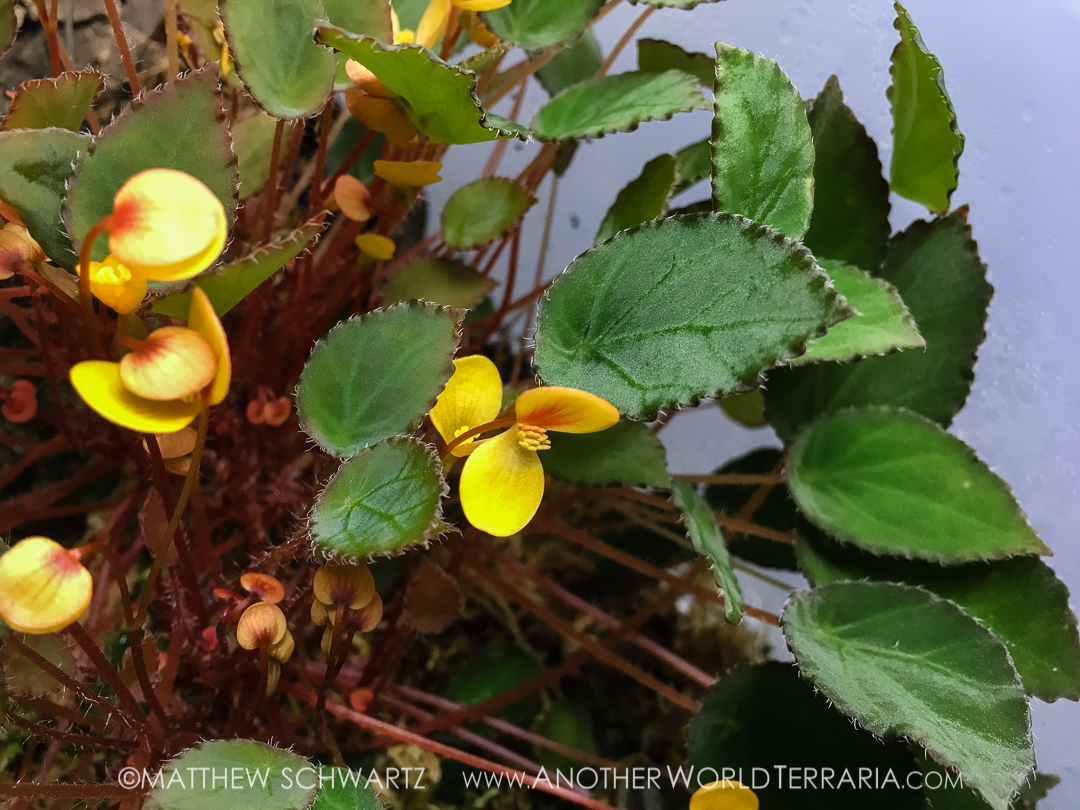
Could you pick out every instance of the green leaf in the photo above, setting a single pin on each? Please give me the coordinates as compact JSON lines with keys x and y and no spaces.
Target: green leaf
{"x":483,"y":210}
{"x":442,"y":281}
{"x":763,"y":152}
{"x":904,"y":662}
{"x":8,"y":25}
{"x":180,"y":126}
{"x":273,"y":46}
{"x":693,"y":164}
{"x":705,"y":533}
{"x":756,"y":717}
{"x":573,"y":64}
{"x":253,"y":141}
{"x":656,"y":56}
{"x":747,"y":408}
{"x":679,"y":309}
{"x":893,"y":482}
{"x":35,"y":165}
{"x":540,"y":23}
{"x":268,"y":782}
{"x":1020,"y":600}
{"x":351,"y":134}
{"x":232,"y":283}
{"x":482,"y":60}
{"x":953,"y":796}
{"x":61,"y":102}
{"x":383,"y":499}
{"x":369,"y":18}
{"x":351,"y":397}
{"x":498,"y":667}
{"x":927,"y":143}
{"x":644,"y":198}
{"x":439,"y":98}
{"x":567,"y":723}
{"x":850,"y":222}
{"x":627,"y":454}
{"x":616,"y":104}
{"x":344,"y":789}
{"x":883,"y":324}
{"x":777,"y":511}
{"x":935,"y":266}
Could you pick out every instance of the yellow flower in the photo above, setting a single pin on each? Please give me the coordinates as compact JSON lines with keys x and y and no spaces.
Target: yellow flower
{"x":161,"y":386}
{"x":726,"y":795}
{"x":112,"y":284}
{"x":376,"y":246}
{"x":432,"y":24}
{"x":401,"y":35}
{"x":409,"y":173}
{"x":480,"y":5}
{"x":502,"y":482}
{"x":480,"y":33}
{"x":43,"y":586}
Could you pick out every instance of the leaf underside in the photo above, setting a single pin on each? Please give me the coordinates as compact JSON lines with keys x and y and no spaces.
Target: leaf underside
{"x":705,"y":534}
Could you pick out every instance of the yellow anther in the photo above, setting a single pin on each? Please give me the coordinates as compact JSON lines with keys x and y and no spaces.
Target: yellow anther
{"x":533,"y":438}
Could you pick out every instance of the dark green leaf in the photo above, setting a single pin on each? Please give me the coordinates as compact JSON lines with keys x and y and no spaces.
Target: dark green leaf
{"x":625,"y":455}
{"x":679,"y":309}
{"x":383,"y":499}
{"x":850,"y":222}
{"x":61,"y":102}
{"x":777,"y":511}
{"x":351,"y":395}
{"x":1020,"y":600}
{"x":351,"y":134}
{"x":439,"y":98}
{"x":705,"y":533}
{"x":273,"y":46}
{"x":567,"y":723}
{"x":893,"y":482}
{"x":882,"y":326}
{"x":572,"y":65}
{"x":498,"y":667}
{"x":483,"y":210}
{"x":35,"y":165}
{"x":540,"y":23}
{"x":747,"y":408}
{"x":906,"y":663}
{"x":656,"y":56}
{"x":180,"y":126}
{"x":935,"y":266}
{"x":693,"y":164}
{"x":442,"y":281}
{"x":344,"y":789}
{"x":644,"y":198}
{"x":763,"y":153}
{"x":232,"y":283}
{"x":758,"y":717}
{"x":253,"y":141}
{"x":616,"y":104}
{"x":948,"y":791}
{"x":927,"y":143}
{"x":187,"y":781}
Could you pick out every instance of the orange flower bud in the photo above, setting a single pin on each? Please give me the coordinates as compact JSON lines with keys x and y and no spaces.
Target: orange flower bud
{"x":277,"y":411}
{"x":20,"y":401}
{"x":282,"y":650}
{"x":261,"y":625}
{"x":367,"y":618}
{"x":352,"y":198}
{"x":173,"y":362}
{"x":113,"y":285}
{"x":349,"y":585}
{"x":361,"y":698}
{"x":43,"y":586}
{"x":365,"y":80}
{"x":178,"y":444}
{"x":320,"y":613}
{"x":385,"y":115}
{"x":265,"y":587}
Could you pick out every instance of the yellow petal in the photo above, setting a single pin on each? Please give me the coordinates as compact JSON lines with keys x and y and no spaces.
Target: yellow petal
{"x":472,"y":397}
{"x":43,"y":586}
{"x":432,"y":25}
{"x":480,"y":5}
{"x":166,"y":225}
{"x":502,"y":485}
{"x":404,"y":37}
{"x":113,"y":285}
{"x":726,"y":795}
{"x":173,"y":362}
{"x":203,"y":319}
{"x":480,"y":33}
{"x":567,"y":410}
{"x":98,"y":383}
{"x":414,"y":173}
{"x":382,"y":115}
{"x":376,"y":246}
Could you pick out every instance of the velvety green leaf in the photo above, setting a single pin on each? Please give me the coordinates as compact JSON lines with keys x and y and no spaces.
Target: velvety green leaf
{"x":699,"y":207}
{"x":344,"y":789}
{"x":540,"y":23}
{"x":253,"y":141}
{"x":935,"y":266}
{"x":232,"y":283}
{"x":383,"y":499}
{"x":616,"y":104}
{"x":442,"y":281}
{"x":679,"y":309}
{"x":705,"y":533}
{"x":179,"y":126}
{"x":758,"y":717}
{"x":927,"y":143}
{"x":904,"y":662}
{"x":8,"y":24}
{"x":882,"y":326}
{"x":61,"y":102}
{"x":479,"y":62}
{"x":273,"y":46}
{"x":187,"y":781}
{"x":746,"y":408}
{"x":893,"y":482}
{"x":777,"y":511}
{"x":644,"y":198}
{"x":439,"y":98}
{"x":1020,"y":600}
{"x":949,"y":793}
{"x":627,"y":454}
{"x":693,"y":164}
{"x":573,"y":64}
{"x":35,"y":165}
{"x":656,"y":56}
{"x":369,"y":18}
{"x":850,"y":221}
{"x":350,"y":395}
{"x":763,"y":152}
{"x":483,"y":210}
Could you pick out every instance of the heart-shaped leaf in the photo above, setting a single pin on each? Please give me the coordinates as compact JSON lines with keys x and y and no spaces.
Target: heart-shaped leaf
{"x":483,"y":210}
{"x":432,"y":600}
{"x":628,"y":454}
{"x":705,"y":534}
{"x":642,"y":200}
{"x":61,"y":102}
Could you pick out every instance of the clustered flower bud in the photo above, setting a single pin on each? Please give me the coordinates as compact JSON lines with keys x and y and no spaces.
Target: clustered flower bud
{"x":262,"y":625}
{"x":350,"y":589}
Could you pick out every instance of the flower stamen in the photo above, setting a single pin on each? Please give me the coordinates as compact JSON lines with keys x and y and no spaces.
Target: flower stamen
{"x":533,"y":438}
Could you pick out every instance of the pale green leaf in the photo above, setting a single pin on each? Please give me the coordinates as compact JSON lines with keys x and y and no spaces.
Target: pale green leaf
{"x":540,"y":23}
{"x":705,"y":533}
{"x":483,"y":210}
{"x":644,"y":198}
{"x":344,"y":789}
{"x":572,"y":65}
{"x":693,"y":164}
{"x":61,"y":102}
{"x":628,"y":454}
{"x":442,"y":281}
{"x":253,"y":142}
{"x":656,"y":56}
